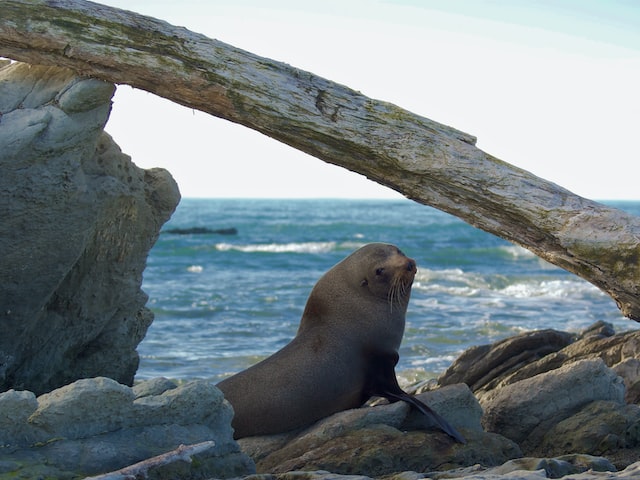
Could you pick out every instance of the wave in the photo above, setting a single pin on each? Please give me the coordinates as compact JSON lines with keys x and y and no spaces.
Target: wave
{"x":516,"y":251}
{"x":550,"y":288}
{"x":294,"y":247}
{"x":457,"y":282}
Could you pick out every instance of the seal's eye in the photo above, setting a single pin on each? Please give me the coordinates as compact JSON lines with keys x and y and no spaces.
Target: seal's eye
{"x":379,"y":271}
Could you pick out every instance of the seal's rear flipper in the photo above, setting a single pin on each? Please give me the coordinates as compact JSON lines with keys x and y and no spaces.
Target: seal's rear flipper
{"x":445,"y":426}
{"x":382,"y":382}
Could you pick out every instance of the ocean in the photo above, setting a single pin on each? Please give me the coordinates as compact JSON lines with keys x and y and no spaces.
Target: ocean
{"x":224,"y":301}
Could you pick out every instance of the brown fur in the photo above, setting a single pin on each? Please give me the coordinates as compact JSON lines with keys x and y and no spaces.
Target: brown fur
{"x":355,"y":310}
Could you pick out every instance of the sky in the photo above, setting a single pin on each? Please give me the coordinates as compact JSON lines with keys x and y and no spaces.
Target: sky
{"x":551,"y":86}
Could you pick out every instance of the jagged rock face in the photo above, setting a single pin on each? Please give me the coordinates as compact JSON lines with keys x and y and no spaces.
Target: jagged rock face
{"x":78,"y":221}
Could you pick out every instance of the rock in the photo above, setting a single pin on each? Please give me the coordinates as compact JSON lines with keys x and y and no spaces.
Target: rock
{"x":489,"y":367}
{"x":524,"y":411}
{"x":385,"y":439}
{"x":154,"y":386}
{"x":629,"y":370}
{"x":97,"y":425}
{"x":15,"y":410}
{"x":455,"y":403}
{"x":528,"y":466}
{"x":587,"y":468}
{"x":600,"y":428}
{"x":79,"y":219}
{"x":82,"y":409}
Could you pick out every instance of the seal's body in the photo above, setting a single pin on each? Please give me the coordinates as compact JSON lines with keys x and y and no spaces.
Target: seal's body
{"x":344,"y":352}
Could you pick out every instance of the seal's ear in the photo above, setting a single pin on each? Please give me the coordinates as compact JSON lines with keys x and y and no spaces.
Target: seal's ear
{"x":364,"y":283}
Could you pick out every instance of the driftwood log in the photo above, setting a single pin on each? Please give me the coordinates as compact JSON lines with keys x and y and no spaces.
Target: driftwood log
{"x":426,"y":161}
{"x":147,"y":468}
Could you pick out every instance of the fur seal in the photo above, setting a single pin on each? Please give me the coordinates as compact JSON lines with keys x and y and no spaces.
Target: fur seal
{"x":345,"y":350}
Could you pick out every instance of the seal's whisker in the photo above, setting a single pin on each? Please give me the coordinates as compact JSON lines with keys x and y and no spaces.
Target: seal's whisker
{"x":398,"y":289}
{"x":391,"y":293}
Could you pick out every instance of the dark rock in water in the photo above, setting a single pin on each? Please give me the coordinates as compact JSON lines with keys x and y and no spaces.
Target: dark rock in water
{"x":78,"y":221}
{"x":202,"y":230}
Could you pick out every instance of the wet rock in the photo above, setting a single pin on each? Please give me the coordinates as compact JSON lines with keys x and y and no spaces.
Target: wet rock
{"x":78,"y":221}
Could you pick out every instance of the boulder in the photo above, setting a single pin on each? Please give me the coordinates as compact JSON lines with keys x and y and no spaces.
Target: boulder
{"x":488,"y":367}
{"x":97,"y":425}
{"x":485,"y":367}
{"x":78,"y":221}
{"x":525,"y":411}
{"x":533,"y":468}
{"x":385,"y":439}
{"x":601,"y":428}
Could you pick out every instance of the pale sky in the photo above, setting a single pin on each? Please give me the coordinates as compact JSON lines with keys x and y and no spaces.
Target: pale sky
{"x":551,"y":86}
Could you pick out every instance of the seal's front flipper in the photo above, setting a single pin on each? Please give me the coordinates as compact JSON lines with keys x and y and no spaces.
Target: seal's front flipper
{"x":382,"y":382}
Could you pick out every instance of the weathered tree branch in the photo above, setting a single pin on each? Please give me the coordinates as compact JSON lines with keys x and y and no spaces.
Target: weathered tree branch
{"x":426,"y":161}
{"x":141,"y":469}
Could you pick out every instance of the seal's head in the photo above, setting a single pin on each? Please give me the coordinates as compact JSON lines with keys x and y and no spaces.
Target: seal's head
{"x":389,"y":273}
{"x":370,"y":285}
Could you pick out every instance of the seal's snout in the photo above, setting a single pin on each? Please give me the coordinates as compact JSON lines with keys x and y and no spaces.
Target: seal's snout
{"x":411,"y":266}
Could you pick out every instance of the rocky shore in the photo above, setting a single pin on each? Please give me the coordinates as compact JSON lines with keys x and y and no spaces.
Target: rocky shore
{"x":79,"y":220}
{"x":571,"y":421}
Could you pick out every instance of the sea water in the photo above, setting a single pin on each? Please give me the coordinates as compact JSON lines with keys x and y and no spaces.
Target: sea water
{"x":223,"y":302}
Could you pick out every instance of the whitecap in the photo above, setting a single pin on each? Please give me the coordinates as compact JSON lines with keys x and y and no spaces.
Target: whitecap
{"x":517,"y":251}
{"x":302,"y":247}
{"x":195,"y":268}
{"x":452,"y":281}
{"x":549,"y":288}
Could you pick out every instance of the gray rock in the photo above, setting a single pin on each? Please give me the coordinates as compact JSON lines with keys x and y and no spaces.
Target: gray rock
{"x":154,"y":386}
{"x":524,"y":411}
{"x":15,"y":410}
{"x":530,"y":467}
{"x":486,"y":367}
{"x":600,"y":428}
{"x":556,"y":467}
{"x":455,"y":403}
{"x":79,"y":219}
{"x":83,"y":409}
{"x":477,"y":472}
{"x":384,"y":440}
{"x":97,"y":425}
